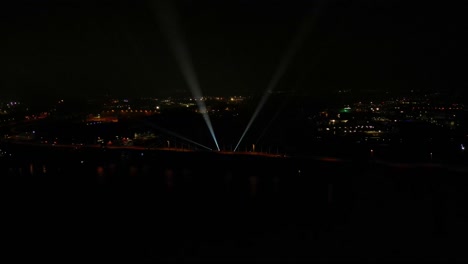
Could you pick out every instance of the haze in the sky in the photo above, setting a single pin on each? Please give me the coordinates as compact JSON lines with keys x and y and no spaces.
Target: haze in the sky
{"x":81,"y":48}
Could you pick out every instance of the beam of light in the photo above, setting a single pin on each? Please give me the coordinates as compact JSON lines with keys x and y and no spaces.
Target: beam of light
{"x":168,"y":21}
{"x":176,"y":135}
{"x":280,"y":71}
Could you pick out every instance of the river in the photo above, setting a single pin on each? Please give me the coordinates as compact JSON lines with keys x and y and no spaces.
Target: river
{"x":125,"y":206}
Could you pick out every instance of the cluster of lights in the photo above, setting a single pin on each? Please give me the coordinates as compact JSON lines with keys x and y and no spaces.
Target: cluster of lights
{"x":356,"y":127}
{"x":131,"y":111}
{"x":438,"y":108}
{"x":12,"y":104}
{"x":4,"y":153}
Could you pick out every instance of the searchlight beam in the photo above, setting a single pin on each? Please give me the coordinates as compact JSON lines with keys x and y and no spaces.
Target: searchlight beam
{"x":168,"y":21}
{"x":280,"y":71}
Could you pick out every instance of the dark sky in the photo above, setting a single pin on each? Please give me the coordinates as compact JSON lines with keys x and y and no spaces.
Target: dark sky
{"x":93,"y":47}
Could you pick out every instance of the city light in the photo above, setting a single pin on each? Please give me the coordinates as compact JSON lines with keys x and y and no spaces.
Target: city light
{"x":169,"y":25}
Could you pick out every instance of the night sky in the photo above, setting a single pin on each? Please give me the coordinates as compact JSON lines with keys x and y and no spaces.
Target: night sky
{"x":80,"y":48}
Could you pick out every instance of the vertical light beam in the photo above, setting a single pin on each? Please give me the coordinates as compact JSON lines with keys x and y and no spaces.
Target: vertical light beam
{"x":168,"y":22}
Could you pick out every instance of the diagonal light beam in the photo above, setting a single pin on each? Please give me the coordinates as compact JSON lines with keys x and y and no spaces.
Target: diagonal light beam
{"x":286,"y":60}
{"x":168,"y":21}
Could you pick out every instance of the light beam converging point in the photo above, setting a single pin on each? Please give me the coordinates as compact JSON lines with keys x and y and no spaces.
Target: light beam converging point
{"x":280,"y":71}
{"x":168,"y":21}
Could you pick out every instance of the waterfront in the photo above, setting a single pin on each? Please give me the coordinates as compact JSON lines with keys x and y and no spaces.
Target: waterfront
{"x":199,"y":206}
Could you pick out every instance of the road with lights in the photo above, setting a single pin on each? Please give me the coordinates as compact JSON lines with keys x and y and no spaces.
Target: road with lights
{"x":372,"y":160}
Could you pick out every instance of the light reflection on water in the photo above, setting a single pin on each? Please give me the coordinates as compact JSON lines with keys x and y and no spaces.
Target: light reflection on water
{"x":101,"y":179}
{"x":169,"y":175}
{"x":146,"y":170}
{"x":187,"y":179}
{"x":112,"y":168}
{"x":228,"y":177}
{"x":276,"y":183}
{"x":253,"y":183}
{"x":330,"y":193}
{"x":100,"y":171}
{"x":133,"y":171}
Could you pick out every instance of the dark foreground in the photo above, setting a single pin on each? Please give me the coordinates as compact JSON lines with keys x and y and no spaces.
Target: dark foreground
{"x":121,"y":206}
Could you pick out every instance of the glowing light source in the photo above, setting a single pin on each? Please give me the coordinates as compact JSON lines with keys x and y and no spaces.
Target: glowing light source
{"x":346,"y":110}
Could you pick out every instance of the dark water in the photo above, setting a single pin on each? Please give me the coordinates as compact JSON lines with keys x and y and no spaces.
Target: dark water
{"x":122,"y":206}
